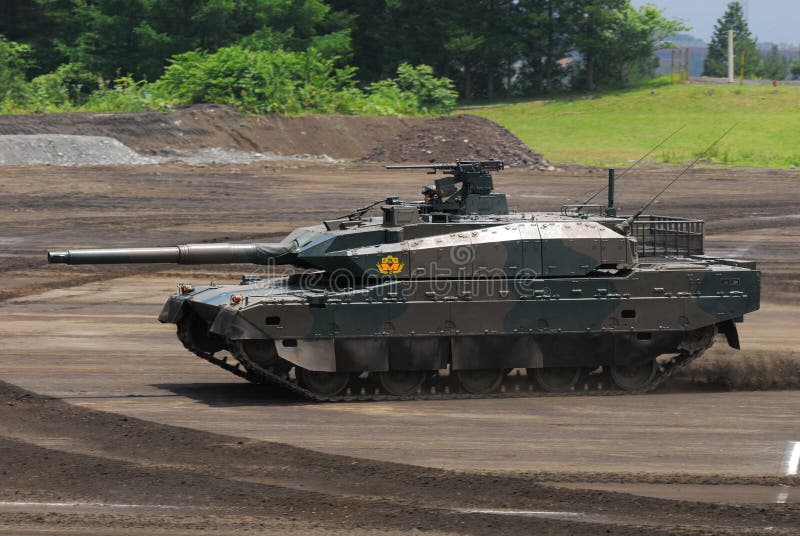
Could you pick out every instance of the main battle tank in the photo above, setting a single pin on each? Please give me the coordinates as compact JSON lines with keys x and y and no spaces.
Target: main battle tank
{"x":456,"y":296}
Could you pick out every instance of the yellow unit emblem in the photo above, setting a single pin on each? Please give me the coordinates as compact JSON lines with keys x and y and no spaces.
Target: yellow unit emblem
{"x":390,"y":265}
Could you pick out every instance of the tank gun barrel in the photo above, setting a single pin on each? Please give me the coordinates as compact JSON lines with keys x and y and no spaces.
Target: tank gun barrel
{"x":262,"y":253}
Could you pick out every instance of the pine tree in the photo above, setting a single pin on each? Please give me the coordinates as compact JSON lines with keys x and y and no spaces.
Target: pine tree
{"x":716,"y":63}
{"x":774,"y":65}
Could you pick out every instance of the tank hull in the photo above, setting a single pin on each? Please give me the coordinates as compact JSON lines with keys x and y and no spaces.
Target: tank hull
{"x":285,"y":325}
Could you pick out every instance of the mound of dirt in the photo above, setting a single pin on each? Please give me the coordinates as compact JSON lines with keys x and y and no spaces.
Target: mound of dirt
{"x":188,"y":134}
{"x":464,"y":137}
{"x":222,"y":127}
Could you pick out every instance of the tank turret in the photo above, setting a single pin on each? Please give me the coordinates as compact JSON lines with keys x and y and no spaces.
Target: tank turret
{"x":448,"y":294}
{"x":455,"y":233}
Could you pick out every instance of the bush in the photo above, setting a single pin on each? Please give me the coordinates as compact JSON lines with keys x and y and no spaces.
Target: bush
{"x":387,"y":98}
{"x":415,"y":91}
{"x":125,"y":95}
{"x":72,"y":88}
{"x":13,"y":62}
{"x":256,"y":81}
{"x":279,"y":81}
{"x":68,"y":86}
{"x":433,"y":95}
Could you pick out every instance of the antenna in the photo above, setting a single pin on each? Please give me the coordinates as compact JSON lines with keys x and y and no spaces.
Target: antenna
{"x":603,"y":189}
{"x":631,"y":219}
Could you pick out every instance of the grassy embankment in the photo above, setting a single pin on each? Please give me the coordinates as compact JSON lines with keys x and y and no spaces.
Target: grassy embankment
{"x":613,"y":129}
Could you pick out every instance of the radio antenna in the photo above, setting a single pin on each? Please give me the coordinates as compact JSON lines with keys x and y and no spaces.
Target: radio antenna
{"x":603,"y":189}
{"x":631,"y":219}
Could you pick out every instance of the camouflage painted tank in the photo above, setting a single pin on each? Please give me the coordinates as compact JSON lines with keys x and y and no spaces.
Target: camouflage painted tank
{"x":456,"y":296}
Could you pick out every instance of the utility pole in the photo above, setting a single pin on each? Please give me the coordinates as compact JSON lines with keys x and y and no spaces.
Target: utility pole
{"x":730,"y":56}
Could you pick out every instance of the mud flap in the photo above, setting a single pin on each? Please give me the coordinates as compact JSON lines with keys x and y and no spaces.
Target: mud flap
{"x":229,"y":323}
{"x":172,"y":311}
{"x":731,"y":333}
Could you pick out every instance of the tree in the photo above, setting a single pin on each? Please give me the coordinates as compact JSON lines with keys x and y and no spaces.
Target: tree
{"x":615,"y":41}
{"x":636,"y":36}
{"x":543,"y":41}
{"x":474,"y":42}
{"x":590,"y":23}
{"x":774,"y":65}
{"x":13,"y":62}
{"x":43,"y":25}
{"x":716,"y":63}
{"x":497,"y":24}
{"x":487,"y":47}
{"x":119,"y":37}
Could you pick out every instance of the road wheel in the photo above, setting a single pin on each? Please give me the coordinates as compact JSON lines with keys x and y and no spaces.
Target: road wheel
{"x":482,"y":381}
{"x":634,"y":377}
{"x":401,"y":382}
{"x":193,"y":333}
{"x":323,"y":384}
{"x":555,"y":379}
{"x":259,"y":351}
{"x":259,"y":356}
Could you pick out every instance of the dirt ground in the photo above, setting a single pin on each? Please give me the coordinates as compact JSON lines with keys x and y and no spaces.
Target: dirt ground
{"x":108,"y":427}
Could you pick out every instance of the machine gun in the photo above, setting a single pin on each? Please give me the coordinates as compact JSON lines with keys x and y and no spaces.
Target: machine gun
{"x":456,"y":167}
{"x":476,"y":195}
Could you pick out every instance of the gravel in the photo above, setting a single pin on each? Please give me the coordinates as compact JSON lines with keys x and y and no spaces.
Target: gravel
{"x":75,"y":150}
{"x":68,"y":150}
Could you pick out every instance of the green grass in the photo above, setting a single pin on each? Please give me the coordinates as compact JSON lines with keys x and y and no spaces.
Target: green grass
{"x":617,"y":128}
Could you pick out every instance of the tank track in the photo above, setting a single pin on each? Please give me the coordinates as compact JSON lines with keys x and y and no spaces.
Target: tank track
{"x":445,"y":387}
{"x":234,"y":368}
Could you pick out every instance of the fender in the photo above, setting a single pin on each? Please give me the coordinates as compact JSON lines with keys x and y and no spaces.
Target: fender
{"x":731,"y":333}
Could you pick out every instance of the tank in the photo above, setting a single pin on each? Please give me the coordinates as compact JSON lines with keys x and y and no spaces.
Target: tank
{"x":455,"y":296}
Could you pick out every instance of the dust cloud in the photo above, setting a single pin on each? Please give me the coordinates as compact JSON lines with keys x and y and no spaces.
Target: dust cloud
{"x":745,"y":370}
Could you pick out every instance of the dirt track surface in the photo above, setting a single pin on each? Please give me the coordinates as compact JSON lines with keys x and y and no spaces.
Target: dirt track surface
{"x":139,"y":476}
{"x":135,"y":419}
